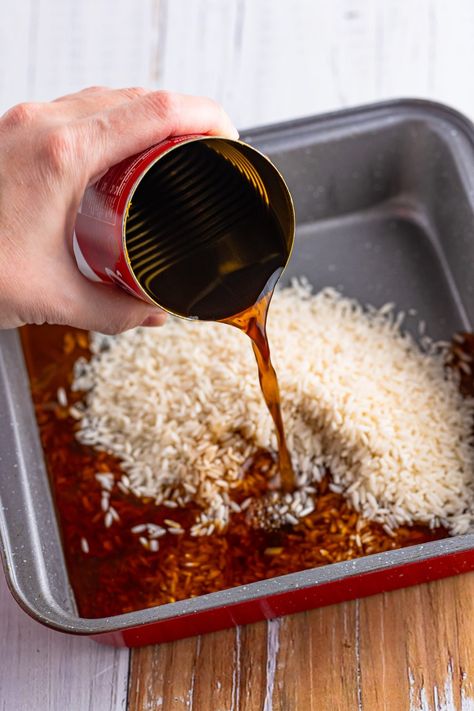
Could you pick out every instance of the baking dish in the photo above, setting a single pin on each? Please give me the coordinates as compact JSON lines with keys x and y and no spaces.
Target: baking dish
{"x":384,"y":198}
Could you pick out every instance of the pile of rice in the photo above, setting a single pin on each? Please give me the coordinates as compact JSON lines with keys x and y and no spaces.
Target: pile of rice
{"x":182,"y":409}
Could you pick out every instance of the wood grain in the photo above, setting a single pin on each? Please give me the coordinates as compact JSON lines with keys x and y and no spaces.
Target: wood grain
{"x":271,"y":61}
{"x":421,"y":644}
{"x":307,"y":642}
{"x":409,"y":650}
{"x":42,"y":670}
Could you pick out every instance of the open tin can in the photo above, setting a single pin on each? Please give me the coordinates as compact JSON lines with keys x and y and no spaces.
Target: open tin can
{"x":195,"y":224}
{"x":385,"y":201}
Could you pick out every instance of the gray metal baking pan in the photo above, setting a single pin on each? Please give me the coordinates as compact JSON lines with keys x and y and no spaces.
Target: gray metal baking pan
{"x":384,"y":198}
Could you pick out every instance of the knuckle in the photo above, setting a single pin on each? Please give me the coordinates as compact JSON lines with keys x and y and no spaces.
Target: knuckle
{"x":219,"y":109}
{"x":109,"y":329}
{"x":41,"y":310}
{"x":58,"y":149}
{"x":20,"y":115}
{"x":165,"y":104}
{"x":133,"y":92}
{"x":94,"y":89}
{"x":222,"y":111}
{"x":215,"y":104}
{"x":114,"y":326}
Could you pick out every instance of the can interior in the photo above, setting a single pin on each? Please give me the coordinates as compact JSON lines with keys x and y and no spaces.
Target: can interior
{"x":384,"y":197}
{"x":209,"y":223}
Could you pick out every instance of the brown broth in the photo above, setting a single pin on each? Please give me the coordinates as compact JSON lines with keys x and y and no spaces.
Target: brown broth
{"x":118,"y":574}
{"x":253,"y":322}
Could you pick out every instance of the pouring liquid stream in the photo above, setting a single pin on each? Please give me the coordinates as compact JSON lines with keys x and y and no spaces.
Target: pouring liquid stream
{"x":253,"y":322}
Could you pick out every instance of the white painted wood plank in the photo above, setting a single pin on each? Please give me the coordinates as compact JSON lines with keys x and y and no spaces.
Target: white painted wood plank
{"x":452,"y":67}
{"x":270,"y":60}
{"x":258,"y":57}
{"x":196,"y":45}
{"x":68,"y":45}
{"x":15,"y":42}
{"x":280,"y":62}
{"x":266,"y":60}
{"x":351,"y":64}
{"x":42,"y":670}
{"x":404,"y":56}
{"x":95,"y":42}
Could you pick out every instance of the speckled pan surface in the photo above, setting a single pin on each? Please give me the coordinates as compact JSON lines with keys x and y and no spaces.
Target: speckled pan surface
{"x":384,"y":199}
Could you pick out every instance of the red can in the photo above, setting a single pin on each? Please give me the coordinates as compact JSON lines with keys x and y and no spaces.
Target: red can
{"x":178,"y":204}
{"x":99,"y":236}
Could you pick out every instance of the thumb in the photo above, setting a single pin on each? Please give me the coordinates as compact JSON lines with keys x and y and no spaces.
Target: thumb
{"x":107,"y":308}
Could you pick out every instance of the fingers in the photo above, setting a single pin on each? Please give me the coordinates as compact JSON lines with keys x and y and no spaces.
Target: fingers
{"x":70,"y":107}
{"x":107,"y":309}
{"x":114,"y":134}
{"x":92,"y":100}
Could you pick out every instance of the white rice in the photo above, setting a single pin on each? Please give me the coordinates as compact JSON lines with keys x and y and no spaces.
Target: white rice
{"x":62,"y":397}
{"x":182,"y":410}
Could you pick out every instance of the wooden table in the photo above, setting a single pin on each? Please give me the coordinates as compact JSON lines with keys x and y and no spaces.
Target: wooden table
{"x":409,"y":650}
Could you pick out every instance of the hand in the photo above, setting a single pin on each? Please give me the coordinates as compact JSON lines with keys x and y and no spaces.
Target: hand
{"x":49,"y":153}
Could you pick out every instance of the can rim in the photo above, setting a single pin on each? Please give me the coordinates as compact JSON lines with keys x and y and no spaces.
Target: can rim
{"x":144,"y":171}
